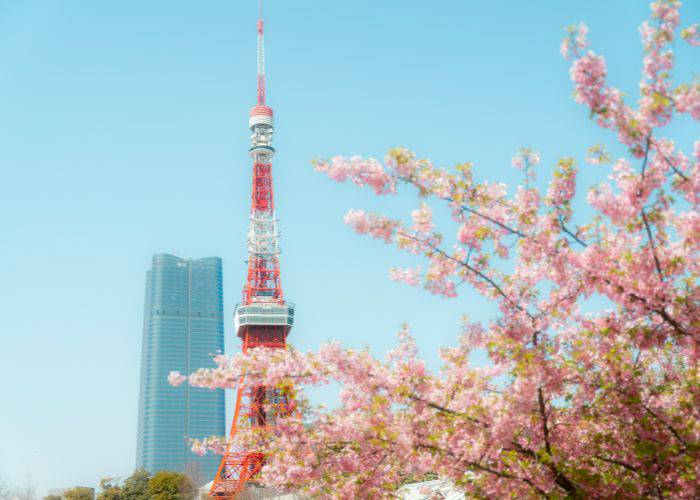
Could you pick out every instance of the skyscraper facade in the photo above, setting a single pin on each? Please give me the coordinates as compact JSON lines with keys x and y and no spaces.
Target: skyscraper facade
{"x":182,"y":329}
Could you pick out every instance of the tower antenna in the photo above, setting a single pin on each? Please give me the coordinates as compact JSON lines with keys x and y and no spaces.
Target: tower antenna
{"x":261,"y":56}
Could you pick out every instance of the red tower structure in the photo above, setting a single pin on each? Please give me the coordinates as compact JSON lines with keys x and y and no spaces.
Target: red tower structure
{"x":263,"y":318}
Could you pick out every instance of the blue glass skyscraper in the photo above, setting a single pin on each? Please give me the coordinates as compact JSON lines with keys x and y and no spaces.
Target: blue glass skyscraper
{"x":182,"y":328}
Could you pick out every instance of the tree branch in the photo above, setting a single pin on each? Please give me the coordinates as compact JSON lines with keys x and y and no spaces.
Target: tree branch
{"x":443,"y":409}
{"x":663,"y":422}
{"x":651,"y":243}
{"x":484,"y":468}
{"x":569,"y":232}
{"x":618,"y":462}
{"x":559,"y":477}
{"x":675,"y":169}
{"x":470,"y":210}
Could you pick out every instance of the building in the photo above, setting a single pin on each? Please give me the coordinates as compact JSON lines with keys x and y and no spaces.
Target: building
{"x":182,"y":329}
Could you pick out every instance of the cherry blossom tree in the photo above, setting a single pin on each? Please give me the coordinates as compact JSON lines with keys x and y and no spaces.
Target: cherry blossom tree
{"x":573,"y":402}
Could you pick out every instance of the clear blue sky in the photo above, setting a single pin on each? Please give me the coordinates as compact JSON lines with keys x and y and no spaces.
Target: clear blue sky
{"x":123,"y":133}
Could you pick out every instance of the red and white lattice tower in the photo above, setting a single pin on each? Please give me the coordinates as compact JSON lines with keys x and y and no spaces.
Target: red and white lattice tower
{"x":263,"y":318}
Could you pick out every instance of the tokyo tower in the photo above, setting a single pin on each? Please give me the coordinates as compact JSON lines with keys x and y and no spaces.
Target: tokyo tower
{"x":263,"y":318}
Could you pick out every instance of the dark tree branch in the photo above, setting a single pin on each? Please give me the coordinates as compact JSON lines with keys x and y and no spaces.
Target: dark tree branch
{"x":468,"y":266}
{"x":472,"y":211}
{"x":659,"y":311}
{"x":663,"y":422}
{"x":569,"y":232}
{"x":443,"y":409}
{"x":645,"y":219}
{"x":559,"y":478}
{"x":675,"y":169}
{"x":484,"y":468}
{"x":617,"y":462}
{"x":653,"y":247}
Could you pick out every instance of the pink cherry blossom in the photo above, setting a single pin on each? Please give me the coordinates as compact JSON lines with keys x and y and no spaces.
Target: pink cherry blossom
{"x":581,"y":35}
{"x":692,"y":35}
{"x":687,"y":100}
{"x":533,"y":157}
{"x":565,"y":48}
{"x":422,"y":219}
{"x":409,"y":276}
{"x":526,"y":157}
{"x":590,"y":390}
{"x":361,"y":171}
{"x":575,"y":41}
{"x":176,"y":378}
{"x":597,"y":155}
{"x":199,"y":449}
{"x":377,"y":226}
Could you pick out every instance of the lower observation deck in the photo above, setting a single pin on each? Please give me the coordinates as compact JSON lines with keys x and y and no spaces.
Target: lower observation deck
{"x":264,"y":314}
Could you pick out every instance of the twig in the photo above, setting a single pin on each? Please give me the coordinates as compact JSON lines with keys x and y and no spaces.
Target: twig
{"x":651,"y":243}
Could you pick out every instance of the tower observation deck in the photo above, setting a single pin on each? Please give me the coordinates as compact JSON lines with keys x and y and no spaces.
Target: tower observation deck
{"x":263,"y":318}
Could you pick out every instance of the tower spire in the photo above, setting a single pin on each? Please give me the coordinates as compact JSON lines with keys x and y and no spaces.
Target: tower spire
{"x":263,"y":319}
{"x":261,"y":56}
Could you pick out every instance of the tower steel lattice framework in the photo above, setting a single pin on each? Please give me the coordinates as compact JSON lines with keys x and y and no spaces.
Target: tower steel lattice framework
{"x":263,"y":318}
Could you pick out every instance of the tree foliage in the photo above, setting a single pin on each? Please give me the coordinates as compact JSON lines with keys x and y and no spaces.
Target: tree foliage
{"x":166,"y":485}
{"x":110,"y":490}
{"x":136,"y":486}
{"x":575,"y":401}
{"x":79,"y":493}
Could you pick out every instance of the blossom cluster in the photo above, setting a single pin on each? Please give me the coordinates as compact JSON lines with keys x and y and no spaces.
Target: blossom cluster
{"x":576,"y":401}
